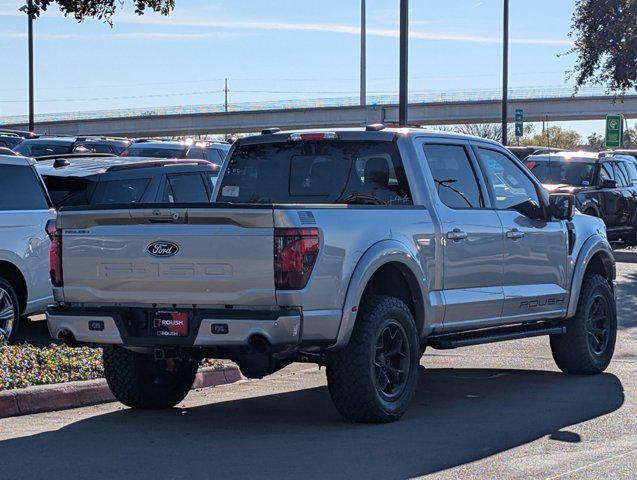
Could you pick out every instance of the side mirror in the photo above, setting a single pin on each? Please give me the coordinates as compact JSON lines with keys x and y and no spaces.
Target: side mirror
{"x":607,"y":183}
{"x":561,"y":206}
{"x":529,"y":208}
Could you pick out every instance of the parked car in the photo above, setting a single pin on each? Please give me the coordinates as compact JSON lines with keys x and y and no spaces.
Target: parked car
{"x":626,"y":152}
{"x":9,"y":140}
{"x":125,"y":180}
{"x":25,"y":209}
{"x":354,"y":249}
{"x":214,"y":152}
{"x":524,"y":151}
{"x":604,"y":187}
{"x":44,"y":146}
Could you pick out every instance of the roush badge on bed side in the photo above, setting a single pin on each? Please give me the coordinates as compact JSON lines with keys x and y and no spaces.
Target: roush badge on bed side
{"x":162,"y":249}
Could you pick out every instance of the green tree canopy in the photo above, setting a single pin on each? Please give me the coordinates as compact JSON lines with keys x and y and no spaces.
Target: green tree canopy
{"x":605,"y":33}
{"x":101,"y":9}
{"x":556,"y":137}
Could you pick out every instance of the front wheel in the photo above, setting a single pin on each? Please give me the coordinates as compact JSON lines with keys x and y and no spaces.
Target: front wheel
{"x":139,"y":381}
{"x":588,"y":345}
{"x":374,"y":378}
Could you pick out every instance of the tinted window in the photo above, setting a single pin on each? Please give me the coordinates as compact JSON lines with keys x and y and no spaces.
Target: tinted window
{"x":606,"y":172}
{"x":40,"y":150}
{"x":508,"y":183}
{"x":186,"y":188}
{"x":632,"y":172}
{"x":621,"y":174}
{"x":120,"y":191}
{"x":96,"y":148}
{"x":454,"y":176}
{"x":216,"y":155}
{"x":560,"y":172}
{"x":314,"y":172}
{"x":154,"y":152}
{"x":69,"y":191}
{"x":21,"y":189}
{"x":196,"y":154}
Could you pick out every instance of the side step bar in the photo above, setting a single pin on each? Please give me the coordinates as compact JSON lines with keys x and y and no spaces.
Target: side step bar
{"x":492,"y":335}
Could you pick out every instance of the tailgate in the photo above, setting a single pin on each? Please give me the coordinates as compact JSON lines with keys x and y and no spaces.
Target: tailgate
{"x":188,"y":256}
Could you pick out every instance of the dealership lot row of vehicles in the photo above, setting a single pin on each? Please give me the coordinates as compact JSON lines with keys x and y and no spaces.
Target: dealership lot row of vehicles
{"x":355,"y":249}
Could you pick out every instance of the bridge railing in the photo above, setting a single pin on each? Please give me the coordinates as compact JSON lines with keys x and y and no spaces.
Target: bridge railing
{"x":447,"y":96}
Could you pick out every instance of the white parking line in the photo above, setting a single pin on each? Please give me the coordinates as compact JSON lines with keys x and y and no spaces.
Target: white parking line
{"x":614,"y":457}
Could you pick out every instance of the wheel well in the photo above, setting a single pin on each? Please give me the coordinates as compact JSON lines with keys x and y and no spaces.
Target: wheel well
{"x":397,"y":280}
{"x":14,"y":276}
{"x":602,"y":265}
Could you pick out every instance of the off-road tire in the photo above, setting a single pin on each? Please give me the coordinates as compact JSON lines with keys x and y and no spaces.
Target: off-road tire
{"x":9,"y":291}
{"x":572,"y":351}
{"x":351,"y":376}
{"x":139,"y":381}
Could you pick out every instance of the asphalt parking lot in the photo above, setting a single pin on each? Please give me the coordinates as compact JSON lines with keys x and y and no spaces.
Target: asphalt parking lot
{"x":493,"y":411}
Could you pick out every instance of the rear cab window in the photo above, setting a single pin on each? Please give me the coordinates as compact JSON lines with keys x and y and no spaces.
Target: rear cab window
{"x":316,"y":172}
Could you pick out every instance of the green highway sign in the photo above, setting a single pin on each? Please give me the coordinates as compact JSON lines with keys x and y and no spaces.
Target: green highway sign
{"x":519,"y":122}
{"x":614,"y":130}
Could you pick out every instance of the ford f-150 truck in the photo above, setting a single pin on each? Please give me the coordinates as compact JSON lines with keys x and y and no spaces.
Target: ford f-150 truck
{"x":355,"y":249}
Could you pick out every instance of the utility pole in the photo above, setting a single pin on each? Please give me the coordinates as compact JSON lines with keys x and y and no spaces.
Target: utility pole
{"x":28,"y":9}
{"x":505,"y":71}
{"x":225,"y":91}
{"x":363,"y":88}
{"x":403,"y":96}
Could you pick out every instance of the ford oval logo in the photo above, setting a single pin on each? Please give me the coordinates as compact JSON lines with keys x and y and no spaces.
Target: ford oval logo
{"x":162,"y":249}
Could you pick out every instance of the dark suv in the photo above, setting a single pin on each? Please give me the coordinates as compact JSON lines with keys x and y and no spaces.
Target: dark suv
{"x":605,"y":187}
{"x":214,"y":152}
{"x":117,"y":180}
{"x":44,"y":146}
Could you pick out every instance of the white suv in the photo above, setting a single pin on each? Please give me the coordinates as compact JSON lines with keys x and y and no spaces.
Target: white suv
{"x":25,"y":209}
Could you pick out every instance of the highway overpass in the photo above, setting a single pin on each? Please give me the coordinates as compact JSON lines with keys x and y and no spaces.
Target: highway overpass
{"x":426,"y":113}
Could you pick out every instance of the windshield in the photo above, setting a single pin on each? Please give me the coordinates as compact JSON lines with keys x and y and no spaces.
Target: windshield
{"x":576,"y":174}
{"x":316,"y":172}
{"x":155,"y":152}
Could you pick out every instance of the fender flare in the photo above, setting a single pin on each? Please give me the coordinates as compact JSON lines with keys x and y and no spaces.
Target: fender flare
{"x":594,"y":245}
{"x":376,"y":256}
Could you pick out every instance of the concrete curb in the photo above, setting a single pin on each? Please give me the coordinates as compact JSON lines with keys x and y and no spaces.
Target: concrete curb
{"x":62,"y":396}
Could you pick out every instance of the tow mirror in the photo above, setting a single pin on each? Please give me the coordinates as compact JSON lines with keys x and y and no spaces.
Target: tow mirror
{"x":562,"y":206}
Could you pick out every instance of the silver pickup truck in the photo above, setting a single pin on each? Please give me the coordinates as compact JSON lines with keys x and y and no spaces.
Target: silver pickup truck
{"x":355,"y":249}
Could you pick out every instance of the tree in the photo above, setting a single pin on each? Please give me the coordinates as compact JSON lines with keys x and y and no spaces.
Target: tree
{"x":605,"y":33}
{"x":555,"y":137}
{"x":101,"y":9}
{"x":596,"y":141}
{"x":492,"y":131}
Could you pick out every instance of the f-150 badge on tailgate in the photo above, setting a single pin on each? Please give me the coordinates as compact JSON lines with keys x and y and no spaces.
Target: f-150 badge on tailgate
{"x":162,"y":249}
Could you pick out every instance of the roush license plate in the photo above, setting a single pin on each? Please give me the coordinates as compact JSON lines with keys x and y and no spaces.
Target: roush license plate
{"x":170,"y":324}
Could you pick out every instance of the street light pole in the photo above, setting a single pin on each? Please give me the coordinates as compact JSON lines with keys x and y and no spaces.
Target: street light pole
{"x":363,"y":87}
{"x":30,"y":35}
{"x":403,"y":98}
{"x":505,"y":71}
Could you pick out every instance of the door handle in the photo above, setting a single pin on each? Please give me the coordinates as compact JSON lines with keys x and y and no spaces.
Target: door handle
{"x":515,"y":234}
{"x":456,"y":235}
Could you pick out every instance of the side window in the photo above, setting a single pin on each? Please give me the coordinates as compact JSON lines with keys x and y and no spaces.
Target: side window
{"x":30,"y":195}
{"x":623,"y":179}
{"x":120,"y":191}
{"x":509,"y":185}
{"x":632,"y":172}
{"x":186,"y":188}
{"x":454,"y":176}
{"x":95,"y":147}
{"x":606,"y":172}
{"x":196,"y":154}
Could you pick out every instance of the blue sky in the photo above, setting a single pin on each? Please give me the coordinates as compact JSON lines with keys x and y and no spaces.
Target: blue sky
{"x":283,"y":49}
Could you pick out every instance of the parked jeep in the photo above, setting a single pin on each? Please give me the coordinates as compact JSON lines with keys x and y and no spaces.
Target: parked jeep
{"x":25,"y":208}
{"x":603,"y":186}
{"x":354,"y":249}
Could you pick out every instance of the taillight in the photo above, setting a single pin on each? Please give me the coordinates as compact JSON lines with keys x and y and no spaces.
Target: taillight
{"x":295,"y":252}
{"x":55,"y":253}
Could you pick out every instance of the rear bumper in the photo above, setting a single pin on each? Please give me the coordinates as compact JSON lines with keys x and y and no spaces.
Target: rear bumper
{"x":207,"y":328}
